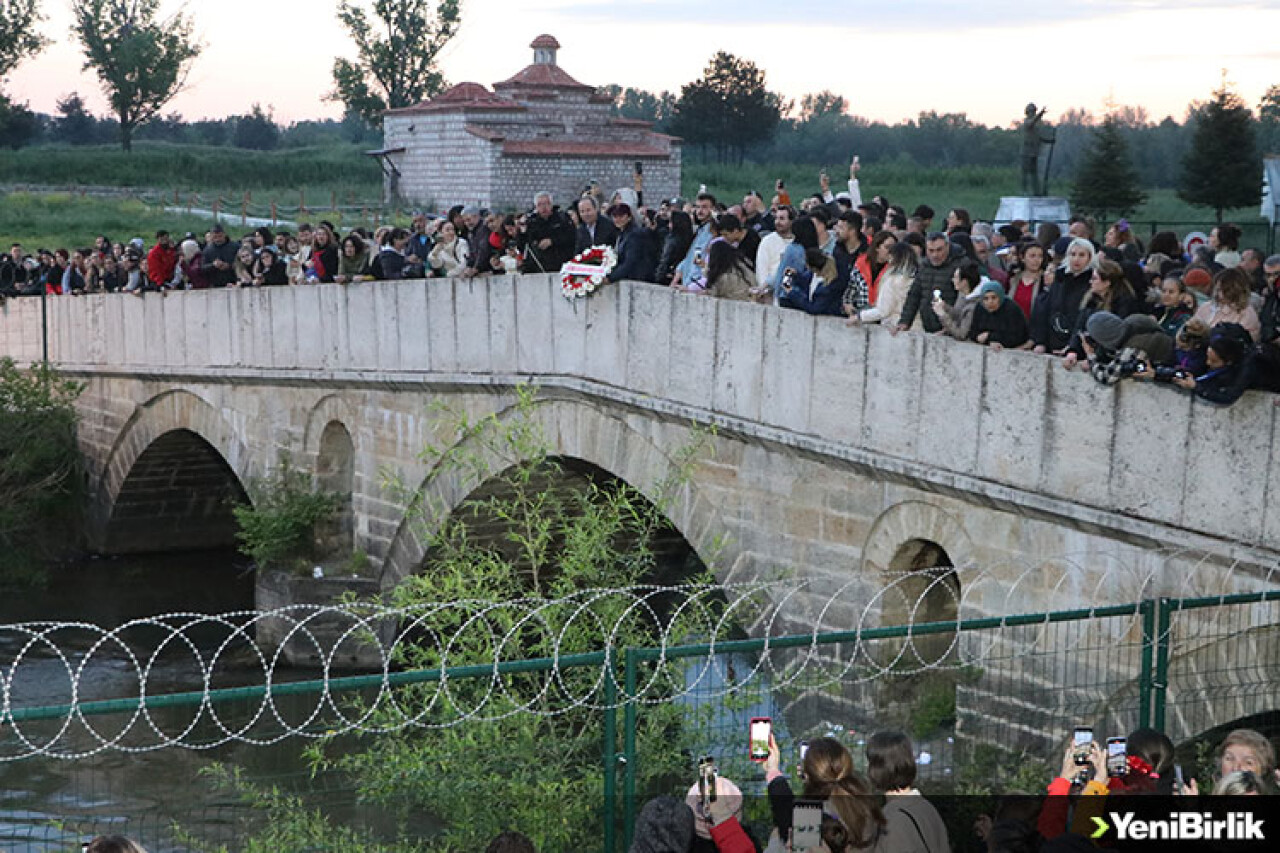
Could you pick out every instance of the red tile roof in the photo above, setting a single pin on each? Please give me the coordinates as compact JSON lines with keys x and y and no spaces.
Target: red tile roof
{"x":545,"y":40}
{"x":549,"y":147}
{"x":463,"y":96}
{"x":539,"y":74}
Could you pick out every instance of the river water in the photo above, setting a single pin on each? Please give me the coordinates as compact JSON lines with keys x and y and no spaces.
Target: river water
{"x":49,"y":803}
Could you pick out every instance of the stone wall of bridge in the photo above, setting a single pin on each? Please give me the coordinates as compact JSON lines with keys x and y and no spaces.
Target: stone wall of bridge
{"x":1135,"y":462}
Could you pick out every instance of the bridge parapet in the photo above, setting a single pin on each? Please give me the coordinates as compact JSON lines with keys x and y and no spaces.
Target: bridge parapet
{"x":1005,"y":426}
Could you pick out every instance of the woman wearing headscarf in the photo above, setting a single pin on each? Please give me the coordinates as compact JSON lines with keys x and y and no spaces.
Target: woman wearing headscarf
{"x":997,"y":321}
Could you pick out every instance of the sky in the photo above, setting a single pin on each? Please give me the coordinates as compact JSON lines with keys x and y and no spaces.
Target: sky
{"x":891,"y":59}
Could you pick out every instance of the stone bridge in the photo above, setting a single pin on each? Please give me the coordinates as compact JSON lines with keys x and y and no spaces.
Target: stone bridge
{"x":843,"y":456}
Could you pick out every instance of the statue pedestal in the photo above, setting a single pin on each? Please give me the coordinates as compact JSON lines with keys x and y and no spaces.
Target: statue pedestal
{"x":1033,"y":209}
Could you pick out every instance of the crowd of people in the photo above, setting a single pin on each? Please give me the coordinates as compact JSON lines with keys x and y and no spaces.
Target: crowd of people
{"x":882,"y":811}
{"x":1206,"y":320}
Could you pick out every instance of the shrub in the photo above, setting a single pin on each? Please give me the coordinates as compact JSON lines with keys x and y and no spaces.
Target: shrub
{"x":278,"y":530}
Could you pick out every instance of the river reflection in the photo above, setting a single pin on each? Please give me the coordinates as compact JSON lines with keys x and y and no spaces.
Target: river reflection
{"x":49,"y":803}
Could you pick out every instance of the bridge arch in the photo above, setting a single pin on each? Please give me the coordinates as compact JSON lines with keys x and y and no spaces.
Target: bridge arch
{"x":176,"y":458}
{"x":573,"y":430}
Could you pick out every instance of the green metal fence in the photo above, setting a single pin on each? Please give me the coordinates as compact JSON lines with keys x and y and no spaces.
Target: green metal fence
{"x":988,"y":702}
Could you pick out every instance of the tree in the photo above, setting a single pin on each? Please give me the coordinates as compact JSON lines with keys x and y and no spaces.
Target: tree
{"x":18,"y":125}
{"x":640,"y":104}
{"x":1269,"y":121}
{"x":1221,"y":170}
{"x":1107,"y":179}
{"x":142,"y":62}
{"x":396,"y":54}
{"x":39,"y":468}
{"x":728,"y":108}
{"x":18,"y":36}
{"x":822,"y":103}
{"x":257,"y":130}
{"x":75,"y":124}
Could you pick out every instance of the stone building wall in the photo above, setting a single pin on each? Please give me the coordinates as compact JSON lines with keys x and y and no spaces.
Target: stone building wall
{"x":517,"y":179}
{"x":442,"y":163}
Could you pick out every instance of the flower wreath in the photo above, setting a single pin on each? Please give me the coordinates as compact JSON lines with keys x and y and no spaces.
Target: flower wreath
{"x":581,"y":276}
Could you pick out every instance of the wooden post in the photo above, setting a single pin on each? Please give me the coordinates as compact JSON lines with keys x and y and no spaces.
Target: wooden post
{"x":333,"y":200}
{"x":217,"y":208}
{"x":274,"y":220}
{"x":244,"y":210}
{"x":302,"y":203}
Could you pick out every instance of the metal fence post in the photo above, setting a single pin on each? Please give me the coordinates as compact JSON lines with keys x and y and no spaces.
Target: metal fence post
{"x":1145,"y":678}
{"x":610,"y":752}
{"x":1160,"y":684}
{"x":632,"y":660}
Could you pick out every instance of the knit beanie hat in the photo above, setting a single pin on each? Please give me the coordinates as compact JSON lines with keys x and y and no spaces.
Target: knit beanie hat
{"x":1198,"y":278}
{"x":664,"y":825}
{"x":1107,"y":329}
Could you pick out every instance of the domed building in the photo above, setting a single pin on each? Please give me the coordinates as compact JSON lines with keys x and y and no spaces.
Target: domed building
{"x":539,"y":130}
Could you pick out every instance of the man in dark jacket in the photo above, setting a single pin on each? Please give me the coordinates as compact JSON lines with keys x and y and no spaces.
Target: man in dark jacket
{"x":595,"y":230}
{"x":13,"y":271}
{"x":636,"y":257}
{"x":219,"y":257}
{"x":548,"y":239}
{"x":1268,"y":354}
{"x":936,"y":270}
{"x":476,"y":233}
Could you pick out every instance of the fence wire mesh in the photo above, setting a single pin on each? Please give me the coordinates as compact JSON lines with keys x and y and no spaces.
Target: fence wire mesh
{"x":988,"y":701}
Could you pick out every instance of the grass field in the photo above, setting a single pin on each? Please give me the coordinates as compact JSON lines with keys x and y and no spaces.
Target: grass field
{"x":67,"y":221}
{"x":162,"y":168}
{"x":343,"y":174}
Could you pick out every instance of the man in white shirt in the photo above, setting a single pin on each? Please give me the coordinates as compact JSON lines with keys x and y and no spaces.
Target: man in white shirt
{"x":773,"y":244}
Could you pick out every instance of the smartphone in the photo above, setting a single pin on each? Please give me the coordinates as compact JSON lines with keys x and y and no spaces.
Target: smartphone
{"x":1141,"y":368}
{"x":1178,"y":784}
{"x":1117,"y":757}
{"x":759,"y":737}
{"x":806,"y":825}
{"x":707,"y":779}
{"x":804,"y":750}
{"x":639,"y":167}
{"x":937,"y":294}
{"x":1081,"y":740}
{"x":857,"y":161}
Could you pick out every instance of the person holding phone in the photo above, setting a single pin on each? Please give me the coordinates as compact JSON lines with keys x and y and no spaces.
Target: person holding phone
{"x":829,"y":777}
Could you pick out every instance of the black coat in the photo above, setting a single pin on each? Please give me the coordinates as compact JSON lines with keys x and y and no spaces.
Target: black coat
{"x":559,"y":230}
{"x":1006,"y":326}
{"x":636,"y":260}
{"x":225,"y":253}
{"x":1059,"y":321}
{"x":674,"y":248}
{"x":606,"y":235}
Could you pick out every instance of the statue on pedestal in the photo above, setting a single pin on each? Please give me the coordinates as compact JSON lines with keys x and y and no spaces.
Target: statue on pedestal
{"x":1034,"y":135}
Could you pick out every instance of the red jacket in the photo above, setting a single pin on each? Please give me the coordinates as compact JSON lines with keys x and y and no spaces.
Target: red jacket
{"x":730,"y":837}
{"x":161,"y":262}
{"x":873,"y":282}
